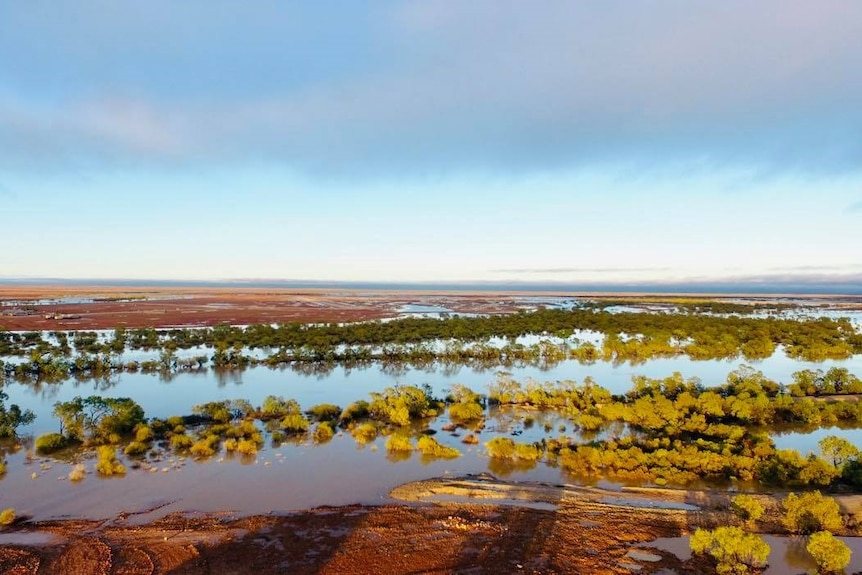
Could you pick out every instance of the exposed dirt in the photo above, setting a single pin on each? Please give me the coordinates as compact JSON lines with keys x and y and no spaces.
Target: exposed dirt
{"x":578,"y":537}
{"x":494,"y":527}
{"x":69,"y":308}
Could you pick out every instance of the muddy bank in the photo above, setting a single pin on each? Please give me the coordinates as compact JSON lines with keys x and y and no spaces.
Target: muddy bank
{"x":488,"y":526}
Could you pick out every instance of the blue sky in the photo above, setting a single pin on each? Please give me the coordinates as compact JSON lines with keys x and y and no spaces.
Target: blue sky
{"x":576,"y":142}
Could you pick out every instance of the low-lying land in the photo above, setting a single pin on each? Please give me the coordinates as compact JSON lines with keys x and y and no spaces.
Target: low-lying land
{"x":54,"y":307}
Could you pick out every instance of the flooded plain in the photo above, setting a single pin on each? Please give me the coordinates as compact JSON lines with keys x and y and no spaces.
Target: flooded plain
{"x":300,"y":473}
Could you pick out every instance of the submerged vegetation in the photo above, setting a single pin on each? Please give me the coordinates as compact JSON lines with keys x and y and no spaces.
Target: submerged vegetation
{"x":665,"y":431}
{"x":711,"y":332}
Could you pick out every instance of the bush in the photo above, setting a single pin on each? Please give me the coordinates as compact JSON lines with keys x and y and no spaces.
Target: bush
{"x":831,"y":554}
{"x":465,"y":412}
{"x":430,"y":447}
{"x":811,"y":512}
{"x":747,"y":508}
{"x":246,"y":447}
{"x":354,"y":411}
{"x":399,"y":443}
{"x":325,"y":412}
{"x":505,"y":448}
{"x":107,"y":463}
{"x":323,"y":432}
{"x":365,"y":432}
{"x":2,"y":468}
{"x":7,"y":516}
{"x":735,"y":550}
{"x":295,"y":423}
{"x":136,"y":448}
{"x":144,"y":433}
{"x":205,"y":447}
{"x":50,"y":442}
{"x":181,"y":441}
{"x":274,"y":407}
{"x":78,"y":472}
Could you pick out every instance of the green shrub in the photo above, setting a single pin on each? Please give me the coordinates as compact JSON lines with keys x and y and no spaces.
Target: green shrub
{"x":144,"y":433}
{"x":294,"y":423}
{"x":354,"y":411}
{"x":107,"y":463}
{"x":206,"y":446}
{"x":50,"y":442}
{"x":747,"y":507}
{"x":430,"y":447}
{"x":465,"y":412}
{"x":831,"y":555}
{"x":323,"y":432}
{"x":325,"y":412}
{"x":246,"y":447}
{"x":399,"y":443}
{"x":505,"y":448}
{"x":136,"y":448}
{"x":181,"y":441}
{"x":274,"y":407}
{"x":7,"y":516}
{"x":365,"y":432}
{"x":734,"y":550}
{"x":811,"y":512}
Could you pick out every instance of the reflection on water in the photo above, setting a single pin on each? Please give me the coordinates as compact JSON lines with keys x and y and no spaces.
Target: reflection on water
{"x":302,"y":474}
{"x":787,"y":554}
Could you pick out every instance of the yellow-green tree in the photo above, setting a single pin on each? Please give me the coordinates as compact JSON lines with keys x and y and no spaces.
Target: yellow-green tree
{"x":831,"y":554}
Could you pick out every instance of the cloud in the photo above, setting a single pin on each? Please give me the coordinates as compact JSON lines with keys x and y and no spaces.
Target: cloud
{"x":608,"y":270}
{"x":436,"y":86}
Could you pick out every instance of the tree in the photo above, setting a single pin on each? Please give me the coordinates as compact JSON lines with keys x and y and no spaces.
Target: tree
{"x":837,"y":449}
{"x":831,"y":554}
{"x":811,"y":512}
{"x":13,"y":417}
{"x":736,"y":551}
{"x":98,"y":418}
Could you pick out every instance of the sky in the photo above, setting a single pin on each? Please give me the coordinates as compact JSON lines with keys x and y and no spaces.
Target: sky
{"x":613,"y":142}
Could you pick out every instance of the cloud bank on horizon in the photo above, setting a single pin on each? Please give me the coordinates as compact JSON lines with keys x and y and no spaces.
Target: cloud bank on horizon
{"x":346,"y":94}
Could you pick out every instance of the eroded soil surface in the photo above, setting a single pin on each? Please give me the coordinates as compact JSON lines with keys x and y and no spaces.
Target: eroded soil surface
{"x":439,"y":538}
{"x":500,"y":530}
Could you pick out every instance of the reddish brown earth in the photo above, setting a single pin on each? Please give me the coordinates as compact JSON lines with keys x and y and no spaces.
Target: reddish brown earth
{"x":153,"y":307}
{"x":395,"y":539}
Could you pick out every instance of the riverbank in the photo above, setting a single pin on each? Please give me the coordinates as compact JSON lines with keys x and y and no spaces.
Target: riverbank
{"x":474,"y":524}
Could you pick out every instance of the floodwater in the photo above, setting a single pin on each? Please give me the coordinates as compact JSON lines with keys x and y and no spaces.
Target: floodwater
{"x":342,"y":471}
{"x":787,"y":554}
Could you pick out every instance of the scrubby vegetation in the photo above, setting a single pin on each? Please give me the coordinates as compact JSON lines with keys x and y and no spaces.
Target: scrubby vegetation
{"x":733,"y":550}
{"x":107,"y":463}
{"x":430,"y":447}
{"x":830,"y":554}
{"x":7,"y":516}
{"x":50,"y":443}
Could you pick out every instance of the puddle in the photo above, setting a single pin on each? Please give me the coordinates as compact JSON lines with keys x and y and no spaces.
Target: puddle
{"x":26,"y":538}
{"x":787,"y":556}
{"x":443,"y":498}
{"x":648,"y":503}
{"x":643,"y":556}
